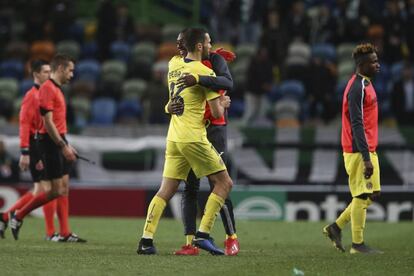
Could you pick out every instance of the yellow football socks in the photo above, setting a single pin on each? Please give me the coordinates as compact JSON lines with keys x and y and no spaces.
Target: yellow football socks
{"x":358,"y":216}
{"x":213,"y":206}
{"x":189,"y":239}
{"x":345,"y":217}
{"x":154,"y":214}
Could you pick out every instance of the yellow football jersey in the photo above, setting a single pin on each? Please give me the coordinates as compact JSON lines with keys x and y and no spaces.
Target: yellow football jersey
{"x":190,"y":126}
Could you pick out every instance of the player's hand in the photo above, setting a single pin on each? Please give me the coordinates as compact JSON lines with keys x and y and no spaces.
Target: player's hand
{"x":369,"y":169}
{"x":24,"y":162}
{"x":176,"y":106}
{"x":39,"y":165}
{"x":228,"y":56}
{"x":69,"y":153}
{"x":186,"y":81}
{"x":225,"y":101}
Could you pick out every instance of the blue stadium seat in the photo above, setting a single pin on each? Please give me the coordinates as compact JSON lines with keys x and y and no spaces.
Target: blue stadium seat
{"x":396,"y":71}
{"x":88,"y":70}
{"x":12,"y":69}
{"x":103,"y":111}
{"x":25,"y":85}
{"x":292,"y":89}
{"x":89,"y":50}
{"x":128,"y":109}
{"x":339,"y":91}
{"x":324,"y":51}
{"x":120,"y":50}
{"x":236,"y":108}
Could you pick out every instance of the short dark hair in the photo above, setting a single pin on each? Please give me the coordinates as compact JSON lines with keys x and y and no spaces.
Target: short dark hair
{"x":193,"y":36}
{"x":361,"y":51}
{"x":36,"y":65}
{"x":60,"y":59}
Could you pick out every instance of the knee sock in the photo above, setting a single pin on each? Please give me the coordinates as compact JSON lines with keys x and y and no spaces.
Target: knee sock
{"x":344,"y":217}
{"x":49,"y":210}
{"x":227,"y":216}
{"x":154,"y":213}
{"x":213,"y":206}
{"x":62,"y":211}
{"x":18,"y":204}
{"x":358,"y":216}
{"x":35,"y":202}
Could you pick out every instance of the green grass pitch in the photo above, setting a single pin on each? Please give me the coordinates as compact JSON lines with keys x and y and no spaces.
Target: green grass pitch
{"x":267,"y":248}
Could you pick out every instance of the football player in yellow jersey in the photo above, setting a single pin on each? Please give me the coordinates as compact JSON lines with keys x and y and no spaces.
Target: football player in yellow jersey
{"x":188,"y":147}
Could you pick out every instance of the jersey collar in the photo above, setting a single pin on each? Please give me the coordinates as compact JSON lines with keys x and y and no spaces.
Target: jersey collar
{"x":55,"y":83}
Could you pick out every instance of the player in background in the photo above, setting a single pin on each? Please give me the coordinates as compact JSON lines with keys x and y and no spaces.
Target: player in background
{"x":57,"y":154}
{"x":217,"y":135}
{"x":30,"y":123}
{"x":359,"y":142}
{"x":187,"y":145}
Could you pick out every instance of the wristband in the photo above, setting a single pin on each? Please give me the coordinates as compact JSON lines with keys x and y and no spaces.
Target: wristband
{"x":24,"y":151}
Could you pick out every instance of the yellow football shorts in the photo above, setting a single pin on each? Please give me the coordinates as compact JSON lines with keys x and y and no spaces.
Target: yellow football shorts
{"x":202,"y":157}
{"x":354,"y":166}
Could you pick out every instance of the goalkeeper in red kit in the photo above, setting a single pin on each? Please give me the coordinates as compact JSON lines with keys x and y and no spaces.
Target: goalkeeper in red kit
{"x":217,"y":135}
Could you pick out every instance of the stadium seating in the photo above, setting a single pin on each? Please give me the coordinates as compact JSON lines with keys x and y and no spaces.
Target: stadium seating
{"x":83,"y":88}
{"x":113,"y":71}
{"x":17,"y":50}
{"x":103,"y":111}
{"x":120,"y":50}
{"x":396,"y":71}
{"x":298,"y":53}
{"x":292,"y":89}
{"x":89,"y":50}
{"x":143,"y":50}
{"x":324,"y":51}
{"x":12,"y":68}
{"x":170,"y":32}
{"x":88,"y":69}
{"x":133,"y":89}
{"x":128,"y":111}
{"x":245,"y":51}
{"x":167,"y":50}
{"x":69,"y":47}
{"x":25,"y":85}
{"x":345,"y":70}
{"x":42,"y":49}
{"x":344,"y":51}
{"x":8,"y":89}
{"x":81,"y":107}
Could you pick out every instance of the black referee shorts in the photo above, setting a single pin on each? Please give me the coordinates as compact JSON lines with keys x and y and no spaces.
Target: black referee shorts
{"x":54,"y":162}
{"x":34,"y":154}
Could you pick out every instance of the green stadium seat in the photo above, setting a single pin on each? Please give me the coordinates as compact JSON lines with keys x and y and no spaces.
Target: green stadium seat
{"x":143,"y":51}
{"x":69,"y":47}
{"x":345,"y":70}
{"x":245,"y":51}
{"x":9,"y":88}
{"x":134,"y":89}
{"x":113,"y":70}
{"x":344,"y":51}
{"x":170,"y":32}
